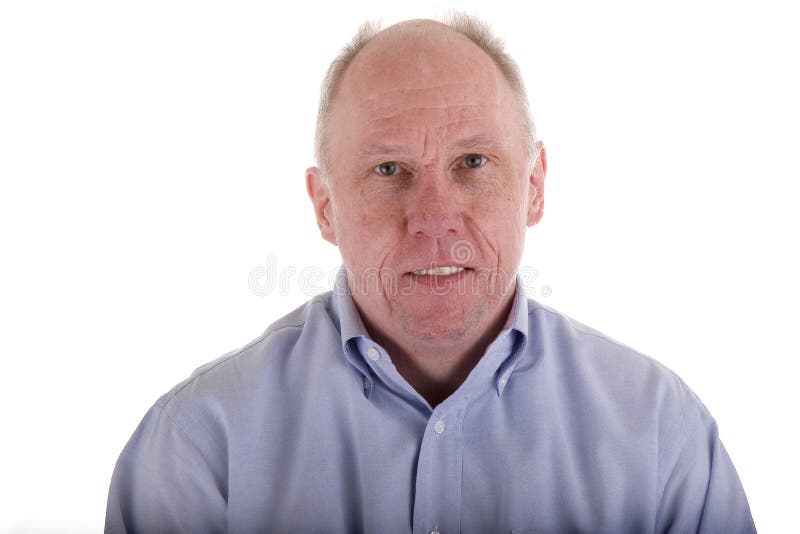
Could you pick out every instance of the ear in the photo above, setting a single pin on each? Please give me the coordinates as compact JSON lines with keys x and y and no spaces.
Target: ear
{"x":320,"y":195}
{"x":536,"y":186}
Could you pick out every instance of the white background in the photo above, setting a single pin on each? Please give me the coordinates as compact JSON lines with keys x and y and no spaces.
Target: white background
{"x":152,"y":156}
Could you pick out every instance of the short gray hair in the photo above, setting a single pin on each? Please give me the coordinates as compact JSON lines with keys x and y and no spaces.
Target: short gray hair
{"x":469,"y":26}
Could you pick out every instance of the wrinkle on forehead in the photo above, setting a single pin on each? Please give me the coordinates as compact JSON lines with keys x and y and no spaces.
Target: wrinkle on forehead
{"x":441,"y":103}
{"x":439,"y":95}
{"x":447,"y":106}
{"x":449,"y":119}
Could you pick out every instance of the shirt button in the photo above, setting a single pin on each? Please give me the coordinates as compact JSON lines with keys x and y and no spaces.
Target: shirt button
{"x":434,"y":532}
{"x":439,"y":426}
{"x":367,"y":383}
{"x":503,"y":381}
{"x":373,"y":354}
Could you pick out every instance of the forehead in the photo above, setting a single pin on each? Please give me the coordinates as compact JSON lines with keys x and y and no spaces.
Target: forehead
{"x":421,"y":78}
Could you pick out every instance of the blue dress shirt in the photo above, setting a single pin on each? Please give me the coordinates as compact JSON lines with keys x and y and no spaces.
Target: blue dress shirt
{"x":310,"y":428}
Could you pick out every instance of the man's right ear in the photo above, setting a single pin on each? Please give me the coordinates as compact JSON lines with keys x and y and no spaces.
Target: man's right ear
{"x":320,"y":195}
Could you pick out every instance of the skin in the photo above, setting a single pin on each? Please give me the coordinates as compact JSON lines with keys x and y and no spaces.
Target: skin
{"x":429,"y":167}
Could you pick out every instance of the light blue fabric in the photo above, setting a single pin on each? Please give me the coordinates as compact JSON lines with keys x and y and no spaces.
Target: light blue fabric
{"x":557,"y":429}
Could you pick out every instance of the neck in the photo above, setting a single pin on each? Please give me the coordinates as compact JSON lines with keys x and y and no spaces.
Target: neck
{"x":436,"y":370}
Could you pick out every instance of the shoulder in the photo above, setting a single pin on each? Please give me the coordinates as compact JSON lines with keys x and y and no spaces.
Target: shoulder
{"x":589,"y":346}
{"x":223,"y":385}
{"x":608,"y":372}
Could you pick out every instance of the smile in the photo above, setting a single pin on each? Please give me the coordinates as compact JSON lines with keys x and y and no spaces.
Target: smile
{"x":439,"y":271}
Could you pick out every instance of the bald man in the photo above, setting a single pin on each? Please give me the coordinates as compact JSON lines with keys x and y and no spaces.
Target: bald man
{"x":426,"y":393}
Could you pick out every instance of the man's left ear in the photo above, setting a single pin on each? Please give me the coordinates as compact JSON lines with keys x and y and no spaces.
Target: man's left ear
{"x":536,"y":189}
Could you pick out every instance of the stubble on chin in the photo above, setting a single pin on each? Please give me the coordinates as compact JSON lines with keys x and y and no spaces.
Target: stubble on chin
{"x":445,"y":332}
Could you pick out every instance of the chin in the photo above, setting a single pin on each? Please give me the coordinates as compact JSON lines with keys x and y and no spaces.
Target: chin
{"x":448,"y":325}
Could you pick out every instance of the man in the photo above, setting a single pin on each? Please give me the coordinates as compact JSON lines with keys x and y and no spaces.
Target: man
{"x":427,"y":394}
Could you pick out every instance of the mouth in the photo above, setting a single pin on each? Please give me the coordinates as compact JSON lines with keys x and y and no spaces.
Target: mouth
{"x":439,"y":271}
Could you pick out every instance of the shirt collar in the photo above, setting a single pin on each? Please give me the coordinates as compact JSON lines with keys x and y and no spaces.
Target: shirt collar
{"x":350,"y":323}
{"x":502,"y":354}
{"x":518,"y":318}
{"x":516,"y":331}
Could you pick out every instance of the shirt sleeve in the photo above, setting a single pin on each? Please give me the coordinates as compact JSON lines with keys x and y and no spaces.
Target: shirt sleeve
{"x":699,"y":488}
{"x":166,"y":482}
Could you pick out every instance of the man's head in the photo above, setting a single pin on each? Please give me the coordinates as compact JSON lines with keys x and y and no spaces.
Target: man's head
{"x":427,"y":167}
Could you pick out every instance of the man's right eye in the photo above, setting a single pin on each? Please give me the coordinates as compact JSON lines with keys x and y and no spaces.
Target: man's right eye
{"x":387,"y":169}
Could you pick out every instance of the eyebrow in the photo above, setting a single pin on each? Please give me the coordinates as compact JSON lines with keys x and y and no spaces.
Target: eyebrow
{"x":379,"y":149}
{"x":477,"y":141}
{"x":467,"y":143}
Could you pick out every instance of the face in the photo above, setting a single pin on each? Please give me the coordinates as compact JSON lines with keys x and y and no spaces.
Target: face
{"x":431,"y":186}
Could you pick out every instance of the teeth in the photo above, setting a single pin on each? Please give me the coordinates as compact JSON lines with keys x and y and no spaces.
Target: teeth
{"x":439,"y":271}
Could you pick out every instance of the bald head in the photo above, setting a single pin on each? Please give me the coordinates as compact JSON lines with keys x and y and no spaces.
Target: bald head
{"x":421,"y":49}
{"x":414,"y":45}
{"x":424,"y":51}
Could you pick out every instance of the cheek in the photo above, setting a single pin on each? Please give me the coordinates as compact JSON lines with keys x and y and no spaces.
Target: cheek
{"x":374,"y":218}
{"x":502,"y":218}
{"x":503,"y":204}
{"x":366,"y":230}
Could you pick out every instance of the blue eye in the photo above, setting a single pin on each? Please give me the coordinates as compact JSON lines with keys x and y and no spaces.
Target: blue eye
{"x":387,"y":169}
{"x":473,"y":161}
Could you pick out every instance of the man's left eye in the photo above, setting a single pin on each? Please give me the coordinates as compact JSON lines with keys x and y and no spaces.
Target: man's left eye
{"x":473,"y":161}
{"x":388,"y":168}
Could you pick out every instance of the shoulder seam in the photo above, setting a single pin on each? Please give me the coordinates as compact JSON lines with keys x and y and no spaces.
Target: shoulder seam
{"x":164,"y":400}
{"x":184,"y":433}
{"x":573,"y":325}
{"x":607,"y":339}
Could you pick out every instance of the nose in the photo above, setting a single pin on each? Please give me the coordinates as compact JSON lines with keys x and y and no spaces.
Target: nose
{"x":435,"y":208}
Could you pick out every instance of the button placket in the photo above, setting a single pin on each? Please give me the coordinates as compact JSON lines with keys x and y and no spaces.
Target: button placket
{"x":437,"y":505}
